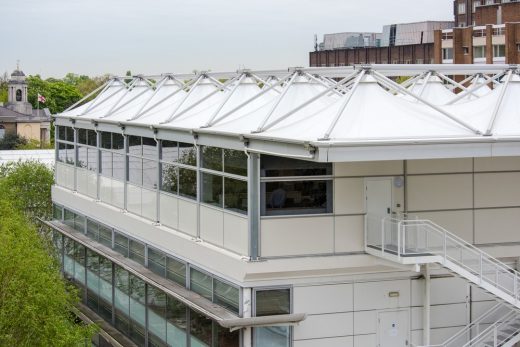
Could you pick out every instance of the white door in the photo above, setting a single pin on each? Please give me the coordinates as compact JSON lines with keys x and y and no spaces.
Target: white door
{"x":393,"y":328}
{"x":378,"y":197}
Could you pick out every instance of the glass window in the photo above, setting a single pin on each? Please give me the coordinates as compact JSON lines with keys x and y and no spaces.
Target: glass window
{"x":61,"y":132}
{"x":169,"y":178}
{"x":118,"y":141}
{"x":188,"y":183}
{"x":136,"y":251}
{"x":106,"y":164}
{"x":226,"y":295}
{"x":296,"y":197}
{"x":121,"y":299}
{"x":135,"y":170}
{"x":157,"y":261}
{"x":235,"y":198}
{"x":176,"y":271}
{"x":69,"y":134}
{"x":57,"y":212}
{"x":68,"y":218}
{"x":82,"y":136}
{"x":272,"y":302}
{"x":150,"y":168}
{"x":121,"y":244}
{"x":479,"y":51}
{"x":225,"y":338}
{"x":92,"y":155}
{"x":91,"y":138}
{"x":187,"y":154}
{"x":105,"y":288}
{"x":235,"y":162}
{"x":156,"y":316}
{"x":79,"y":264}
{"x":170,"y":151}
{"x":66,"y":153}
{"x":93,"y":280}
{"x":462,"y":8}
{"x":118,"y":166}
{"x":79,"y":223}
{"x":135,"y":146}
{"x":105,"y":236}
{"x":137,"y":309}
{"x":82,"y":157}
{"x":106,"y":140}
{"x":92,"y":230}
{"x":149,"y":148}
{"x":200,"y":329}
{"x":201,"y":283}
{"x":212,"y":189}
{"x":176,"y":322}
{"x":212,"y":158}
{"x":272,"y":166}
{"x":68,"y":258}
{"x":499,"y":51}
{"x":447,"y":53}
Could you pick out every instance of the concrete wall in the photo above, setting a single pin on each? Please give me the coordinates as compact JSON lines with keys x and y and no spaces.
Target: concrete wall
{"x":30,"y":131}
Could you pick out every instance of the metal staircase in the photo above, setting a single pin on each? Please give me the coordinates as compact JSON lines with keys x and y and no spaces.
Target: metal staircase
{"x":419,"y":241}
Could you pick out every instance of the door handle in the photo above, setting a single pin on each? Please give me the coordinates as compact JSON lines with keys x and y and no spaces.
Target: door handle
{"x":388,"y":210}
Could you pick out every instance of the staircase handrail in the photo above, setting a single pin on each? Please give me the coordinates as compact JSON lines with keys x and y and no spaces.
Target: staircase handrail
{"x":468,"y":327}
{"x":478,"y":252}
{"x":493,"y":328}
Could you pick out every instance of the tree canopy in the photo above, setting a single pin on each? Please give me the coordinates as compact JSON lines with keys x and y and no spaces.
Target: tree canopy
{"x":35,"y":302}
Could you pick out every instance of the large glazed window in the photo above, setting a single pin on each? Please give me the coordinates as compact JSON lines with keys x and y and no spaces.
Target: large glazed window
{"x":272,"y":302}
{"x":112,"y":155}
{"x":224,"y":178}
{"x":142,"y":161}
{"x":292,"y":187}
{"x":178,"y":169}
{"x":65,"y":144}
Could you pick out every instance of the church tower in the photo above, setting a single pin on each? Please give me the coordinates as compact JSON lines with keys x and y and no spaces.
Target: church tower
{"x":17,"y":93}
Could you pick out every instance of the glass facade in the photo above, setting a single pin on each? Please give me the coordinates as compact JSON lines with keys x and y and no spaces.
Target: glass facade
{"x":292,"y":187}
{"x":179,"y":169}
{"x":272,"y":302}
{"x":212,"y":288}
{"x":142,"y":312}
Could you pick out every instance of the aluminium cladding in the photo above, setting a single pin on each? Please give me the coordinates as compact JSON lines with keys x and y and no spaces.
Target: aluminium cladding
{"x":323,"y":114}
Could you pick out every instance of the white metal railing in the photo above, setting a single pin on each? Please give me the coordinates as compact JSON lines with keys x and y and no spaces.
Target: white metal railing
{"x":401,"y":238}
{"x":472,"y":331}
{"x":497,"y":334}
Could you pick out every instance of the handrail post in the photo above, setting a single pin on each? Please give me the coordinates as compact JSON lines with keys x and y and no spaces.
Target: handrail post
{"x":496,"y":275}
{"x":481,"y":266}
{"x":404,"y":239}
{"x":383,"y":236}
{"x":515,"y":287}
{"x":444,"y":246}
{"x":399,"y":240}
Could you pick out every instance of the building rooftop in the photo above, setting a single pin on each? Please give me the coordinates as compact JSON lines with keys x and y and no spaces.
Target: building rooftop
{"x":306,"y":106}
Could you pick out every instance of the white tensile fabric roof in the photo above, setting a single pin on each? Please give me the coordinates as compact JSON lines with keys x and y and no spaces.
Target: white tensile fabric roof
{"x":298,"y":106}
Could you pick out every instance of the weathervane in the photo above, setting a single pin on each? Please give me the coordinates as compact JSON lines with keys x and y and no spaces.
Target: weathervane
{"x":18,"y":64}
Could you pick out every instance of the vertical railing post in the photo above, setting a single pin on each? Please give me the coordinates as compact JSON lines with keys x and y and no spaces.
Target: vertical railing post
{"x":481,"y":267}
{"x":399,"y":240}
{"x":444,"y":250}
{"x":403,"y":239}
{"x":496,"y":275}
{"x":383,"y":236}
{"x":515,"y":287}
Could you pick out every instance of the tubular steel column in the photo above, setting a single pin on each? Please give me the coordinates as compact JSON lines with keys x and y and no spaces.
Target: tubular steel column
{"x":247,"y":309}
{"x":426,"y":305}
{"x":253,"y":205}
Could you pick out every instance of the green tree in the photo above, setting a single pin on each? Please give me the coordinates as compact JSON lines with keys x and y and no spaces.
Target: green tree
{"x":12,"y":141}
{"x":35,"y":302}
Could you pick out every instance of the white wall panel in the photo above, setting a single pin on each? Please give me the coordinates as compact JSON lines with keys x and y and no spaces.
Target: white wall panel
{"x":169,"y":214}
{"x":236,"y":233}
{"x":440,"y":192}
{"x":370,"y":168}
{"x":497,"y":164}
{"x":118,"y":193}
{"x":374,"y":295}
{"x":441,"y":316}
{"x":149,"y":204}
{"x":323,"y":299}
{"x":497,"y":225}
{"x":497,"y":189}
{"x":133,"y":201}
{"x":296,"y":236}
{"x":344,"y":341}
{"x":365,"y":322}
{"x":324,"y":325}
{"x":81,"y":181}
{"x":349,"y":234}
{"x":105,"y":189}
{"x":440,"y":335}
{"x":431,"y":166}
{"x":459,"y":223}
{"x":349,"y":196}
{"x":365,"y":340}
{"x":212,"y":225}
{"x":188,"y":217}
{"x":92,"y":184}
{"x":480,"y":307}
{"x":447,"y":290}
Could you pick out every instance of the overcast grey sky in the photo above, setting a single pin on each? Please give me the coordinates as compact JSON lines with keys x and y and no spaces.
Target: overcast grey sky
{"x":53,"y":37}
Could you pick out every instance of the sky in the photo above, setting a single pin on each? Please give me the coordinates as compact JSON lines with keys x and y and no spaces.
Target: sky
{"x":94,"y":37}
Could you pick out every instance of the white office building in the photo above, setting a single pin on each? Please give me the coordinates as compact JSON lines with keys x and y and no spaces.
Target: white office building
{"x":309,"y":207}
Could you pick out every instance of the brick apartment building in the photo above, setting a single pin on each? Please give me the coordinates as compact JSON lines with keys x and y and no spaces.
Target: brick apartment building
{"x":493,"y":36}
